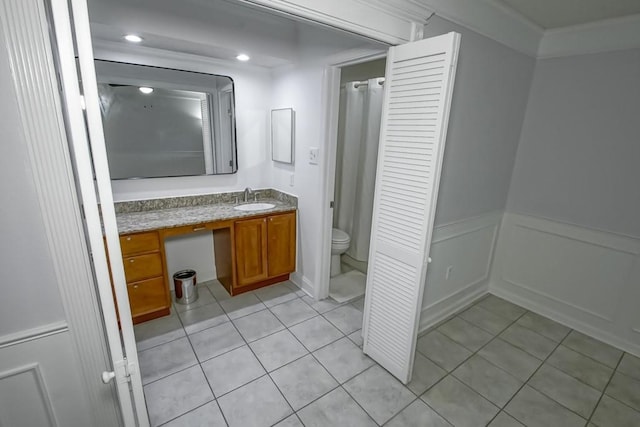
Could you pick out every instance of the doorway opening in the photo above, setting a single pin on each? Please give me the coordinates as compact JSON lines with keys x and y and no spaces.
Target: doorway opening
{"x":356,"y":154}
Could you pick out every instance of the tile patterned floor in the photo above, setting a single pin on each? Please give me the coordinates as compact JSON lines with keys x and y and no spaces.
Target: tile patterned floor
{"x":277,"y":357}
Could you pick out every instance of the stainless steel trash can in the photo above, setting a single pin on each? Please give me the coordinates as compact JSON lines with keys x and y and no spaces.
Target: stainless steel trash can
{"x":185,"y":286}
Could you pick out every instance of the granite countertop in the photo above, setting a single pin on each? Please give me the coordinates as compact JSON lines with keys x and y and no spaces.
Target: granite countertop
{"x":156,"y":214}
{"x":175,"y":217}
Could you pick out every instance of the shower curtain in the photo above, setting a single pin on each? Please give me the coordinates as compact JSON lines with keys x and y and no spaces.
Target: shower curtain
{"x":357,"y":154}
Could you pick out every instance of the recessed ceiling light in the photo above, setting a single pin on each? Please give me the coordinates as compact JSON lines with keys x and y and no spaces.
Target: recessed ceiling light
{"x":133,"y":38}
{"x":146,"y":90}
{"x":243,"y":57}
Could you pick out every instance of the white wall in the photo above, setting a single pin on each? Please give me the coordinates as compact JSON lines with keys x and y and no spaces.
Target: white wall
{"x":300,"y":88}
{"x":579,"y":152}
{"x":488,"y":107}
{"x":489,"y":101}
{"x":569,"y":245}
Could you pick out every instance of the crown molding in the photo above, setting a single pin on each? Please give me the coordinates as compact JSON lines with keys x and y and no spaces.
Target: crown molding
{"x":408,"y":10}
{"x":490,"y":19}
{"x":485,"y":17}
{"x":507,"y":26}
{"x":595,"y":37}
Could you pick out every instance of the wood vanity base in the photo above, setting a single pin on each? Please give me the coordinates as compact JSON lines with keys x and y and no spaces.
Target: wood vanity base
{"x":250,"y":253}
{"x":258,"y":285}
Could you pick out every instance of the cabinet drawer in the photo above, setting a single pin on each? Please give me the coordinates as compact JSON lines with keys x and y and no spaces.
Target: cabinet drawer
{"x":147,"y":295}
{"x":137,"y":243}
{"x":142,"y":267}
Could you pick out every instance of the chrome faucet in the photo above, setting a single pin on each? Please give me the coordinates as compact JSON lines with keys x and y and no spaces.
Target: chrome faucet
{"x":247,"y":192}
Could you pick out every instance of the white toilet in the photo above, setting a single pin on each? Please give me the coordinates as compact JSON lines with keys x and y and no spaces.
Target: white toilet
{"x":339,"y":244}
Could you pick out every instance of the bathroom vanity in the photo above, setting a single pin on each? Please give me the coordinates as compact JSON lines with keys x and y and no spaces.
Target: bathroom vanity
{"x":252,"y":249}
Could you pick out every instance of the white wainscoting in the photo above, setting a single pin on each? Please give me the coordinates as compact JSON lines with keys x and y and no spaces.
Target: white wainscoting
{"x":586,"y":279}
{"x":466,"y":247}
{"x":40,"y":383}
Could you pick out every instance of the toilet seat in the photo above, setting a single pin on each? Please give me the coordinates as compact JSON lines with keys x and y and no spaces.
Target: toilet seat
{"x":339,"y":236}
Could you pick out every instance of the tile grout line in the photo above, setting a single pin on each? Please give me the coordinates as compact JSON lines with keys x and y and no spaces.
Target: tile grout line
{"x":613,"y":371}
{"x":202,"y":369}
{"x":549,"y":397}
{"x":263,"y":367}
{"x":604,"y":390}
{"x":340,"y":385}
{"x":526,"y":383}
{"x":450,"y":373}
{"x":199,"y":363}
{"x":344,"y":335}
{"x":205,"y":377}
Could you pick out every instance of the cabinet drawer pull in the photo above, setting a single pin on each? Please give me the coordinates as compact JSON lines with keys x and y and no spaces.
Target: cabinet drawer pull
{"x":265,"y":220}
{"x":135,"y":286}
{"x":129,"y":238}
{"x":132,"y":260}
{"x":199,"y":228}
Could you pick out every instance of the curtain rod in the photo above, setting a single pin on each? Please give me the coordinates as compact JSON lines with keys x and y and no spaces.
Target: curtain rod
{"x":366,"y":83}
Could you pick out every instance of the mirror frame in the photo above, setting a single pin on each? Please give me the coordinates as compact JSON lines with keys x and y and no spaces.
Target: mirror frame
{"x":287,"y":137}
{"x":123,"y":76}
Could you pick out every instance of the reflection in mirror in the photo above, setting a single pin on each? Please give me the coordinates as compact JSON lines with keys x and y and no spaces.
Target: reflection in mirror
{"x":160,"y":122}
{"x":282,"y":130}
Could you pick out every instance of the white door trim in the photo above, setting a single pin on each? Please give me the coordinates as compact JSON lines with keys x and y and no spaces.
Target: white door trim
{"x":126,"y":370}
{"x":25,"y":26}
{"x":356,"y":17}
{"x":331,"y":105}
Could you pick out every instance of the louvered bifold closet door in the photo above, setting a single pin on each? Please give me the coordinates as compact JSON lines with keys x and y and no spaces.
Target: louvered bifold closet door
{"x":418,"y":89}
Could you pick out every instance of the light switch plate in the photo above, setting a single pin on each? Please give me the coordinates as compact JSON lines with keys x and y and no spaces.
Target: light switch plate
{"x":314,"y":154}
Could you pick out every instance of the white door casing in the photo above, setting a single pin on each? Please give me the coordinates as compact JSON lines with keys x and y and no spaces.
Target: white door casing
{"x":418,"y":91}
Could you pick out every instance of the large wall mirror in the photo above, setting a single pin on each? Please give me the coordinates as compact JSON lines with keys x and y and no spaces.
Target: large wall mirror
{"x":161,"y":122}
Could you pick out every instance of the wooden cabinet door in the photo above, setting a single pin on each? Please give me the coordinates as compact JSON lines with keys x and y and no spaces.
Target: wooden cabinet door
{"x":251,"y":251}
{"x":282,"y":244}
{"x":147,"y":296}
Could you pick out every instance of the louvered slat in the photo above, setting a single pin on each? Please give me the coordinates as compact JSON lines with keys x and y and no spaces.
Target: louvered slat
{"x":418,"y":87}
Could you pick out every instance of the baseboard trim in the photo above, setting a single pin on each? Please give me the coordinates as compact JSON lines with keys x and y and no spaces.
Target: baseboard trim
{"x":303,"y":283}
{"x":446,"y":307}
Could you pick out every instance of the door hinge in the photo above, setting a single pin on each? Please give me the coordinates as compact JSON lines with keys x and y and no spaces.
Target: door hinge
{"x":331,"y":204}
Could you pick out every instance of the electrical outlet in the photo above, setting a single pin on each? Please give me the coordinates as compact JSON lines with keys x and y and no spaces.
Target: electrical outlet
{"x":291,"y":180}
{"x":448,"y":273}
{"x":314,"y":154}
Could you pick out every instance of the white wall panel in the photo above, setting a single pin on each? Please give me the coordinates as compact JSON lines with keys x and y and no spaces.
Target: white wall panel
{"x":467,"y":247}
{"x":40,"y":383}
{"x":583,"y":278}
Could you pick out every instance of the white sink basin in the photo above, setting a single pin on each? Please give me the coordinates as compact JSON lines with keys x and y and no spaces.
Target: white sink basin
{"x":254,"y":207}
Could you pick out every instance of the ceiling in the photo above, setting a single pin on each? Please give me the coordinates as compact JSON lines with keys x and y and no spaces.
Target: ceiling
{"x":550,"y":14}
{"x":219,"y":29}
